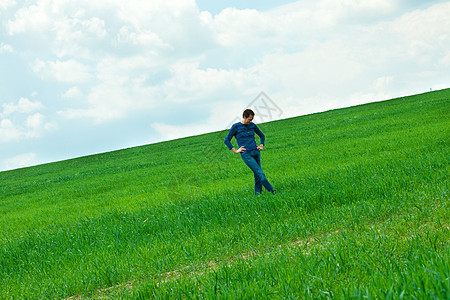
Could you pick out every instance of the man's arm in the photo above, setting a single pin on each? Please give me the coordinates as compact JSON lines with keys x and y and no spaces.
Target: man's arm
{"x":229,"y":136}
{"x":261,"y":136}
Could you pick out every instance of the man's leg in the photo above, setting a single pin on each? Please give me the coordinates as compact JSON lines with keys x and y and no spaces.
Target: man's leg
{"x":263,"y":178}
{"x":253,"y":161}
{"x":250,"y":161}
{"x":258,"y":184}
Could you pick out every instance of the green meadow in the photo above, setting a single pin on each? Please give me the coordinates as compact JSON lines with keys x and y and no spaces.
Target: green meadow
{"x":361,"y":212}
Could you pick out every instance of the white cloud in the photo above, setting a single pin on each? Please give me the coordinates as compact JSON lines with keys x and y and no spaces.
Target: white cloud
{"x":5,"y":48}
{"x":243,"y":27}
{"x":21,"y":120}
{"x":299,"y":23}
{"x":34,"y":17}
{"x":382,"y":82}
{"x":190,"y":83}
{"x":95,"y":26}
{"x":55,"y":17}
{"x":4,"y":4}
{"x":73,"y":92}
{"x":19,"y":161}
{"x":23,"y":106}
{"x":338,"y":12}
{"x":424,"y":34}
{"x":345,"y":67}
{"x":108,"y":102}
{"x":123,"y":87}
{"x":73,"y":28}
{"x":8,"y":132}
{"x":351,"y":62}
{"x":170,"y":132}
{"x":445,"y":61}
{"x":33,"y":126}
{"x":63,"y":71}
{"x":119,"y":51}
{"x":222,"y":115}
{"x":142,"y":38}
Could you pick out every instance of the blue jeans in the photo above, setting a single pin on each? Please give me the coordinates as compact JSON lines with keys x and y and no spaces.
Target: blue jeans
{"x":252,"y":159}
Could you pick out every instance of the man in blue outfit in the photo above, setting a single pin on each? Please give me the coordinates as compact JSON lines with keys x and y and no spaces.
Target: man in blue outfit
{"x":244,"y":132}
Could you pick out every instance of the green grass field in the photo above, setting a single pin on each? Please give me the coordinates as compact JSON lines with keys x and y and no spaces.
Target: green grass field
{"x":361,"y":211}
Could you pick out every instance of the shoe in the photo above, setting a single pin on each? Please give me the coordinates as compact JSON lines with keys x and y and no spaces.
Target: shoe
{"x":274,"y":192}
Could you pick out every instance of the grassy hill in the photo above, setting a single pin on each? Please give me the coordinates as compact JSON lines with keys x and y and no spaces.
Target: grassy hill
{"x":361,"y":211}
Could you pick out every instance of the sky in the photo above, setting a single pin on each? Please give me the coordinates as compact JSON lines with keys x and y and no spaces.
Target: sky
{"x":84,"y":77}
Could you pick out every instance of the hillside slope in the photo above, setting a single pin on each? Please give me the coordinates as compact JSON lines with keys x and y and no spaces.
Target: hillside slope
{"x":361,"y":210}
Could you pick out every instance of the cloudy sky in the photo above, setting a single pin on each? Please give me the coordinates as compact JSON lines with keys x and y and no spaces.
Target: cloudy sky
{"x":83,"y":77}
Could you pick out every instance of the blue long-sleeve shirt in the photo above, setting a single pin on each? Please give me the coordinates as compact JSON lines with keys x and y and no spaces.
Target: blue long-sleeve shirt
{"x":245,"y":135}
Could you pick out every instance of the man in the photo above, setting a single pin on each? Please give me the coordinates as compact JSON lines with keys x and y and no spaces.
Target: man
{"x":244,"y":132}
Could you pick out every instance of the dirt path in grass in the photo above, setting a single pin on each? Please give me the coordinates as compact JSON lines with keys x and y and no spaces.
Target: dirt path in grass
{"x":204,"y":268}
{"x":308,"y":244}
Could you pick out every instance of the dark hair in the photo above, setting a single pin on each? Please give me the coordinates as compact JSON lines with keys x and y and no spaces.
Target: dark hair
{"x":247,"y":113}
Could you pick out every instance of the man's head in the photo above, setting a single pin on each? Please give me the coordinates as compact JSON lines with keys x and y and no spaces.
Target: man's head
{"x":248,"y":116}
